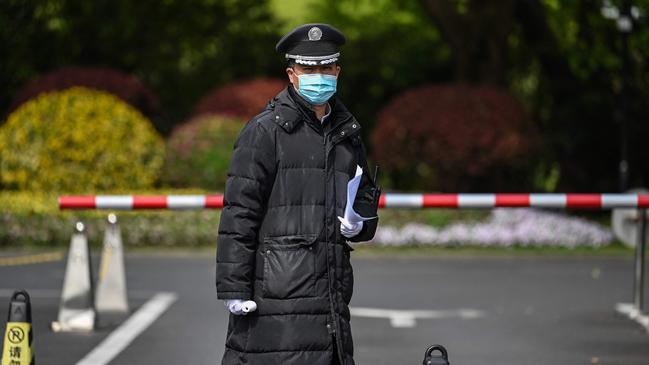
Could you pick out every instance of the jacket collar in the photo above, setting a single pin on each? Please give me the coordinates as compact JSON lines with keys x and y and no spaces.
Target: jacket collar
{"x":290,"y":109}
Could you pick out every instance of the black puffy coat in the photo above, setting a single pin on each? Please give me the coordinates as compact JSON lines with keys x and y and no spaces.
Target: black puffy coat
{"x":279,"y":240}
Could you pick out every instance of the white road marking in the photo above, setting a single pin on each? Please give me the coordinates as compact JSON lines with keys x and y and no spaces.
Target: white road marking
{"x":120,"y":338}
{"x":633,"y":313}
{"x":56,"y":293}
{"x":408,"y":318}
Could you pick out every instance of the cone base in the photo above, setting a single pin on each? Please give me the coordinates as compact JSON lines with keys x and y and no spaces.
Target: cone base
{"x":75,"y":321}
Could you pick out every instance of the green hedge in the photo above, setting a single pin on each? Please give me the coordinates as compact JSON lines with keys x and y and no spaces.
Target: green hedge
{"x":34,"y":220}
{"x":199,"y":151}
{"x":79,"y":140}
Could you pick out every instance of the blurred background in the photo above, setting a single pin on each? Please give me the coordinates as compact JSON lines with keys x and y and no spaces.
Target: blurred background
{"x":454,"y":96}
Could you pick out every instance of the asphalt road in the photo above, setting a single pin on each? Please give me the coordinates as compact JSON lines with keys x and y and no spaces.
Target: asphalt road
{"x":526,"y":311}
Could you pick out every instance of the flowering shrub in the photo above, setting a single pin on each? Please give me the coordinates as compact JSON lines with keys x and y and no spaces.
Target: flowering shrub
{"x":453,"y":138}
{"x":126,"y":87}
{"x":505,"y":228}
{"x":242,"y":99}
{"x":199,"y":151}
{"x":78,"y":140}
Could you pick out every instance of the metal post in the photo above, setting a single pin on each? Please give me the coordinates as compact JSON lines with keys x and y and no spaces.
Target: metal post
{"x":638,"y":290}
{"x":625,"y":26}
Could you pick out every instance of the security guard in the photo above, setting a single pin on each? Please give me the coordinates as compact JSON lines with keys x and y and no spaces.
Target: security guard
{"x":283,"y":252}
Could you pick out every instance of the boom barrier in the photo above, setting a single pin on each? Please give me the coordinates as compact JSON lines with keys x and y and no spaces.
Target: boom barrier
{"x":389,"y":200}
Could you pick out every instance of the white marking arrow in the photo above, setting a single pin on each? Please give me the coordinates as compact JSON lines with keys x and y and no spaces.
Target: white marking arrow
{"x":408,"y":318}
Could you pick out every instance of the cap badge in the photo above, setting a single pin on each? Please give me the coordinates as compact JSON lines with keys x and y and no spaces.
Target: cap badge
{"x":315,"y":34}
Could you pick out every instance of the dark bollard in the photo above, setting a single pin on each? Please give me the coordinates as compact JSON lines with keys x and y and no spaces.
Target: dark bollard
{"x":430,"y":359}
{"x":17,"y":349}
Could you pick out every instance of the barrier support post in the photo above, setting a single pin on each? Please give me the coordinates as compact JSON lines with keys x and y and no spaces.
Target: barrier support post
{"x":638,"y":290}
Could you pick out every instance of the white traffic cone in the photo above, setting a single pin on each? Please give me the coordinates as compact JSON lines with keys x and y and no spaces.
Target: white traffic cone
{"x":77,"y":312}
{"x":111,"y":296}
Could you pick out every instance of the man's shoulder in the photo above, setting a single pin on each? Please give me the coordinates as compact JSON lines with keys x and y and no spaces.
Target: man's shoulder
{"x":266,"y":117}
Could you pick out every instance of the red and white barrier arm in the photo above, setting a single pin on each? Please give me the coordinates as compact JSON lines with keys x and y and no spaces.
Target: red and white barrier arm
{"x":390,"y":200}
{"x":131,"y":202}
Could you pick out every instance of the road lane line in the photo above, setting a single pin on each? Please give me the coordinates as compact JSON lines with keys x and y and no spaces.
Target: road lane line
{"x":56,"y":293}
{"x":408,"y":318}
{"x":633,"y":313}
{"x":120,"y":338}
{"x":31,"y":259}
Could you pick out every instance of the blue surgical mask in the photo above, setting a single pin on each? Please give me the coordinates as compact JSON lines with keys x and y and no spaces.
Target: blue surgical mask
{"x":316,"y":88}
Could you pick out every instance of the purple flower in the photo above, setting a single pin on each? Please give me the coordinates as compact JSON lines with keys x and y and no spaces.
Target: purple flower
{"x":503,"y":228}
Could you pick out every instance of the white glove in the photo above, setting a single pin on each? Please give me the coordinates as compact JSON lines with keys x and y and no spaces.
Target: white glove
{"x":349,"y":229}
{"x":239,"y":307}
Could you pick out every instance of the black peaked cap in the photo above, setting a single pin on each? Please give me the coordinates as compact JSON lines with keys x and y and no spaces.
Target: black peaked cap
{"x":312,"y":44}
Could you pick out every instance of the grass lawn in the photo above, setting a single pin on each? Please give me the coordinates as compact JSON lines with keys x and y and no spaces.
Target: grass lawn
{"x":368,"y":250}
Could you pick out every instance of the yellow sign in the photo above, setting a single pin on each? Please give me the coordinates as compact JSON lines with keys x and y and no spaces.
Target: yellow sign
{"x":17,"y":347}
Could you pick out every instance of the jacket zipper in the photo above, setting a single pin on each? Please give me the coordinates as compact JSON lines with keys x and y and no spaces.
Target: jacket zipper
{"x":333,"y":312}
{"x":329,"y":277}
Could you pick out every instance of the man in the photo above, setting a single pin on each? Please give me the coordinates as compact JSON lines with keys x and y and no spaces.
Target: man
{"x":283,"y":263}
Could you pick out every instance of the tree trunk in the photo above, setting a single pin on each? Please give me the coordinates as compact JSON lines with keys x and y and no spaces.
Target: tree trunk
{"x":477,"y":34}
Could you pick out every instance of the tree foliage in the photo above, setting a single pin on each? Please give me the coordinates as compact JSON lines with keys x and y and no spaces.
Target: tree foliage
{"x":180,"y":48}
{"x":566,"y":61}
{"x":562,"y":59}
{"x":124,"y":86}
{"x":391,"y":46}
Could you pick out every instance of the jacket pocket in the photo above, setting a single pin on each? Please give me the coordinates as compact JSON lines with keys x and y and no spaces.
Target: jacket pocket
{"x":289,"y":266}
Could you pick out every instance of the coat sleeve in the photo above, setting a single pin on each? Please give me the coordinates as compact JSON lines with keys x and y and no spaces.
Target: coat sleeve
{"x":366,"y":203}
{"x":249,"y":180}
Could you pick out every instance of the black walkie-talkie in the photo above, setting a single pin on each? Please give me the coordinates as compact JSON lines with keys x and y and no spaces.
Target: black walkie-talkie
{"x":377,"y":189}
{"x":376,"y":172}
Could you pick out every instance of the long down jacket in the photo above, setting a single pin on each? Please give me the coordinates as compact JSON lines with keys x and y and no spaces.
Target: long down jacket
{"x":279,"y":240}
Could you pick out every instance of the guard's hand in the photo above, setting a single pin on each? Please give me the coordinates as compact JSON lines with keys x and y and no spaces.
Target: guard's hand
{"x":349,"y":229}
{"x":240,"y":307}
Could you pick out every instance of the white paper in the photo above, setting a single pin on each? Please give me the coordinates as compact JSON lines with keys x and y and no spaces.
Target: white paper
{"x":351,"y":216}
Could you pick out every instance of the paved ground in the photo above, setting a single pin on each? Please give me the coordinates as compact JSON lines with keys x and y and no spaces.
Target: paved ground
{"x":534,"y":311}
